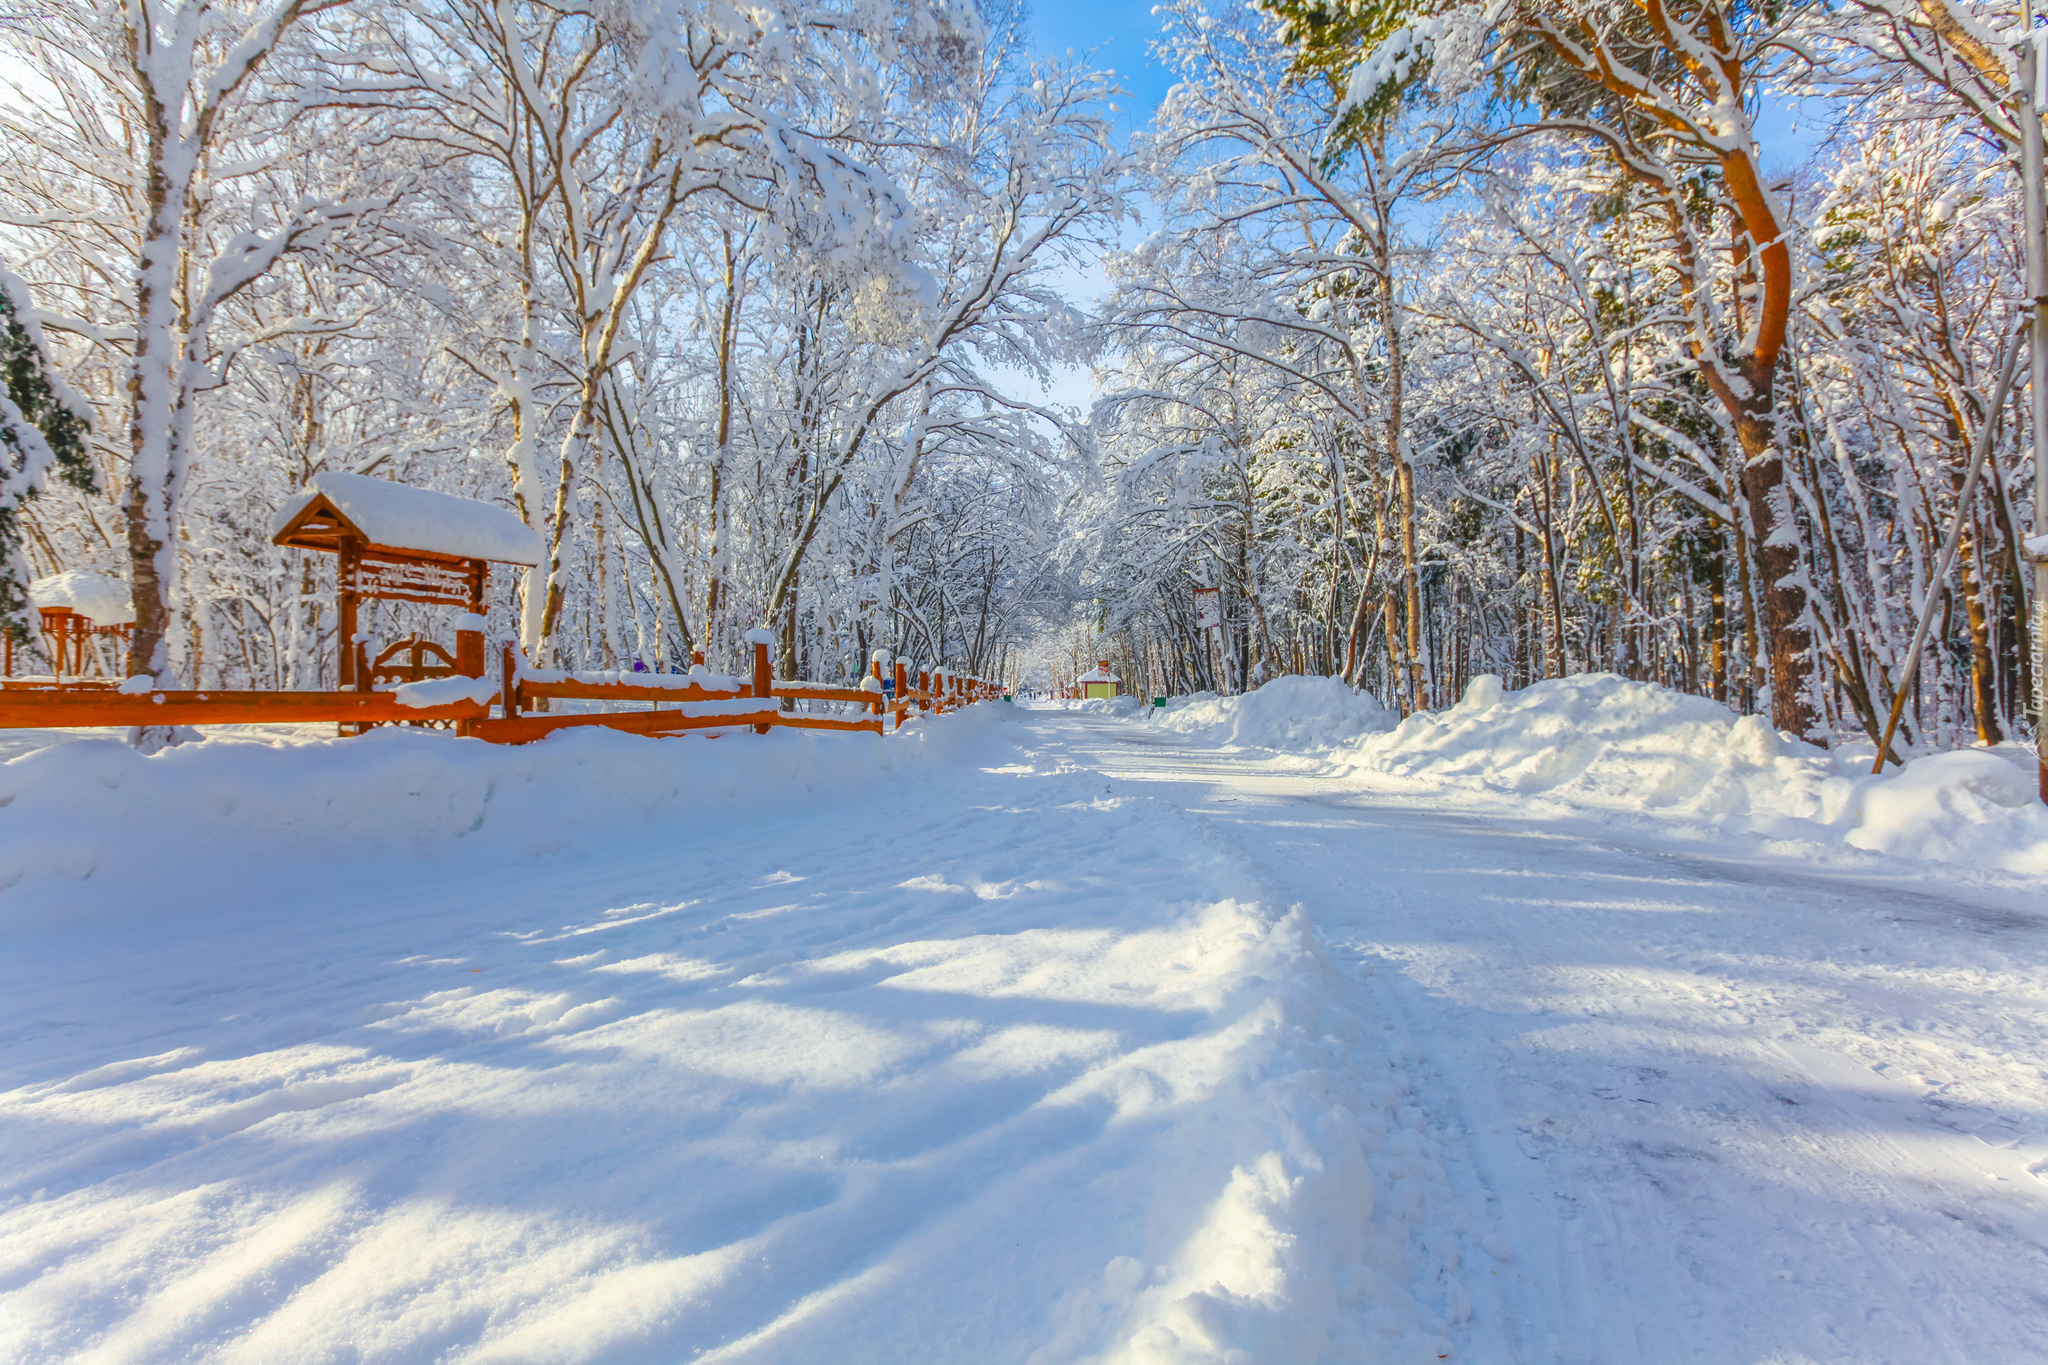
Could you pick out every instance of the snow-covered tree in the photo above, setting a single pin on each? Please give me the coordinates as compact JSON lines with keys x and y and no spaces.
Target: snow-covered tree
{"x":42,"y":436}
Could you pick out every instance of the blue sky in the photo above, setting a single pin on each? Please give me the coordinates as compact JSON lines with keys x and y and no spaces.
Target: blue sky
{"x":1114,"y":34}
{"x":1109,"y":35}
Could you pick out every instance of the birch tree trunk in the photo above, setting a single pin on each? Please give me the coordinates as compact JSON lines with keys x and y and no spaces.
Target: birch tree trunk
{"x":181,"y":104}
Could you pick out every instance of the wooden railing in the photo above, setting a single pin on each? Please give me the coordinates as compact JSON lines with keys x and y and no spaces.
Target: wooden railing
{"x":878,"y":697}
{"x":28,"y":708}
{"x":702,"y":702}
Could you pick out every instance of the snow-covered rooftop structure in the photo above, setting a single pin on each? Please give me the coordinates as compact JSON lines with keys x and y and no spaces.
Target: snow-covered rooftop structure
{"x":397,"y":543}
{"x":1101,"y":684}
{"x":102,"y":600}
{"x":336,"y":508}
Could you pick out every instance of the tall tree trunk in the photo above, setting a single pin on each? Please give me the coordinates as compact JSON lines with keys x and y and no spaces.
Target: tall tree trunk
{"x":715,"y":569}
{"x":1983,"y":667}
{"x":1397,"y":444}
{"x":1361,"y":611}
{"x":1553,"y":599}
{"x":1391,"y":621}
{"x":1776,"y":538}
{"x":147,"y":508}
{"x":1412,"y":580}
{"x":1397,"y":664}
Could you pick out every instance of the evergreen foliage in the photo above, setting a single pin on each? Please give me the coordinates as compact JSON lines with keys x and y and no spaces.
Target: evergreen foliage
{"x":39,"y":432}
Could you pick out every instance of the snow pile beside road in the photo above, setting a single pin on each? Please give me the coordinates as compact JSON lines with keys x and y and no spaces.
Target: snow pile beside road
{"x":1102,"y":706}
{"x":1597,"y":740}
{"x":95,"y":808}
{"x":1970,"y":806}
{"x":1292,"y":713}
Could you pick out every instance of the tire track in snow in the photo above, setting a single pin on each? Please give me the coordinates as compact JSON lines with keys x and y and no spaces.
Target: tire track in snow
{"x":1410,"y":1299}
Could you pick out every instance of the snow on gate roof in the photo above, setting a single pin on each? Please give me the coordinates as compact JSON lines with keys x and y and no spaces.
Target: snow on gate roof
{"x":401,"y":517}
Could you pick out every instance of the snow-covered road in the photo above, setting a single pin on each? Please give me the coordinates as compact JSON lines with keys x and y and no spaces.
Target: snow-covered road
{"x":1720,"y":1108}
{"x":1023,"y":1053}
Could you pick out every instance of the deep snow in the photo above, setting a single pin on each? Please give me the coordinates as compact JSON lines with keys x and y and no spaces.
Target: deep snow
{"x":1599,"y":743}
{"x":796,"y":1048}
{"x":1029,"y":1035}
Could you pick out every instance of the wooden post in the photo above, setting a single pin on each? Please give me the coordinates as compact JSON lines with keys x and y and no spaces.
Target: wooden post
{"x":924,"y":686}
{"x":469,"y":653}
{"x":53,"y":631}
{"x":902,"y":692}
{"x":764,"y":681}
{"x":508,"y":682}
{"x":346,"y":606}
{"x":875,"y":667}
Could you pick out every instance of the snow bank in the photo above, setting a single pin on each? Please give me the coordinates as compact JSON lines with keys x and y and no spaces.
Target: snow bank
{"x":1601,"y":741}
{"x":1099,"y":706}
{"x":1290,"y":713}
{"x":1970,"y":806}
{"x":1598,"y":741}
{"x":95,"y":808}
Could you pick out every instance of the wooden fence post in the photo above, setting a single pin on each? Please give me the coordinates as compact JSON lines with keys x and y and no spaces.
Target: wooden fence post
{"x":508,"y":682}
{"x":470,"y":658}
{"x":764,"y":681}
{"x":902,"y":692}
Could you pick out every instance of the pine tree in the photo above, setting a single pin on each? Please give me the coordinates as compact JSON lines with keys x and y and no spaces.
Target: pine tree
{"x":39,"y":432}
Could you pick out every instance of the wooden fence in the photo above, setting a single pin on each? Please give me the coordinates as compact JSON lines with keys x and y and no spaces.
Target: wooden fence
{"x":507,"y":711}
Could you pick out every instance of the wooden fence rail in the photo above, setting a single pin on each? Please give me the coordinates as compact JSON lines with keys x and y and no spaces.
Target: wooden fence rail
{"x":702,"y":702}
{"x":25,"y":709}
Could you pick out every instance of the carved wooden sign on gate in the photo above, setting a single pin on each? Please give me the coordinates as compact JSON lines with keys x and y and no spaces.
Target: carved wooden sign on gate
{"x":414,"y":579}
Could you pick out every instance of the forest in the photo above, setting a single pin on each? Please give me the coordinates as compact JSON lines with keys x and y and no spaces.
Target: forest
{"x":1527,"y":337}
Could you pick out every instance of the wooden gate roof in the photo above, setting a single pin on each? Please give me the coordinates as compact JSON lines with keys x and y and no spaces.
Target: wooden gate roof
{"x":337,"y":509}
